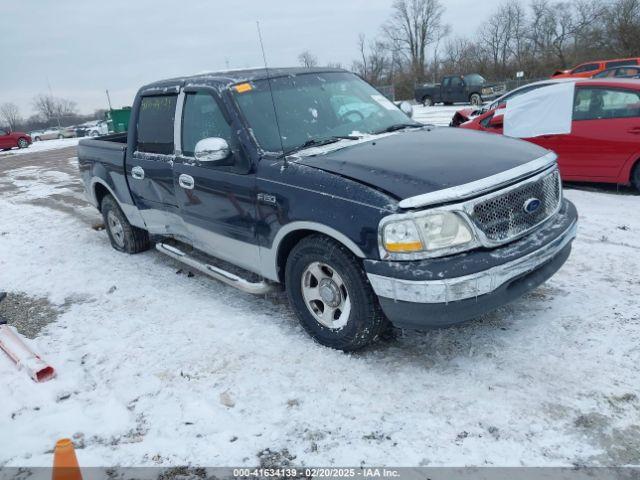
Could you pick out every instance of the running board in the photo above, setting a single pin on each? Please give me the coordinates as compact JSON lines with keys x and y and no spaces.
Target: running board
{"x":256,"y":288}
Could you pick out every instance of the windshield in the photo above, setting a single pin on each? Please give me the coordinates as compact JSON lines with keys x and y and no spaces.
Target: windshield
{"x":474,"y":79}
{"x":315,"y":106}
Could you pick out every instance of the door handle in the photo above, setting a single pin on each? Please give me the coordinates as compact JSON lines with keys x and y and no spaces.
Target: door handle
{"x":634,"y":130}
{"x":186,"y":181}
{"x":137,"y":173}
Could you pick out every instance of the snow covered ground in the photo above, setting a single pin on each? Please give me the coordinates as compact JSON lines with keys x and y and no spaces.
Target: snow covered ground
{"x":42,"y":146}
{"x":438,"y":115}
{"x":157,"y":367}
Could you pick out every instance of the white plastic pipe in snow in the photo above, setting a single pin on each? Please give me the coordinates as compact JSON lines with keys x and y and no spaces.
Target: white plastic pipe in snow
{"x":544,"y":111}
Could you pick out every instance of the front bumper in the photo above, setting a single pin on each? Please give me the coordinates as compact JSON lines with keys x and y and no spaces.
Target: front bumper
{"x":450,"y":290}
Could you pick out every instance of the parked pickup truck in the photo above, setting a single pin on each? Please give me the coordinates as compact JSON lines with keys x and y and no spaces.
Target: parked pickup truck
{"x":471,"y":88}
{"x":311,"y":179}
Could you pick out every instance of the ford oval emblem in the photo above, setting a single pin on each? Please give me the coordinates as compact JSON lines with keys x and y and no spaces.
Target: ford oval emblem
{"x":532,"y":205}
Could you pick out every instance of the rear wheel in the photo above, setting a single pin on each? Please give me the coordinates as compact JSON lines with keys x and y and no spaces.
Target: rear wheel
{"x":635,"y":177}
{"x":475,"y":99}
{"x":331,"y":295}
{"x":37,"y":139}
{"x":123,"y":236}
{"x":60,"y":137}
{"x":22,"y":143}
{"x":427,"y":101}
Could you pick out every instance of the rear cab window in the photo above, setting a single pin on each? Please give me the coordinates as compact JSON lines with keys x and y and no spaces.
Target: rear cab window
{"x":155,"y":124}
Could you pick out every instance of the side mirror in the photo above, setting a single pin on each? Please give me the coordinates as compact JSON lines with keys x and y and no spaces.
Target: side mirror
{"x":497,"y":121}
{"x":407,"y":109}
{"x":213,"y":149}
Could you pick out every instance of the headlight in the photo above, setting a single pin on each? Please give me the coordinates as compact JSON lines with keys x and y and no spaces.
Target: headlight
{"x":427,"y":233}
{"x":487,"y":91}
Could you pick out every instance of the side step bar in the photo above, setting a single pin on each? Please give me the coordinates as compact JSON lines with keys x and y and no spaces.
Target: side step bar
{"x":256,"y":288}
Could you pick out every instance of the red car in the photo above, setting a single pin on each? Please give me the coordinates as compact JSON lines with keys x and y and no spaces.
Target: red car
{"x":604,"y":142}
{"x":589,"y":69}
{"x":9,"y":140}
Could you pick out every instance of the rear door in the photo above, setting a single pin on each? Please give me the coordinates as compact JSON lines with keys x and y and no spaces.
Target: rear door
{"x":217,"y":200}
{"x":605,"y":133}
{"x":150,"y":164}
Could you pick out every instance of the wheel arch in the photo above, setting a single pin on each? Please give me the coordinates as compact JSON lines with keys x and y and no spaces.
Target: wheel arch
{"x":290,"y":235}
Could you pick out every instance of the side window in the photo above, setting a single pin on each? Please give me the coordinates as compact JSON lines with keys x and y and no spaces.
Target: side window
{"x":627,"y":72}
{"x":602,"y":103}
{"x":155,"y":124}
{"x":456,"y":82}
{"x":202,"y":118}
{"x":589,"y":67}
{"x":446,"y":82}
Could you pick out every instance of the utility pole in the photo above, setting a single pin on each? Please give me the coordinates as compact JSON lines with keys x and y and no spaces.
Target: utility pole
{"x":109,"y":100}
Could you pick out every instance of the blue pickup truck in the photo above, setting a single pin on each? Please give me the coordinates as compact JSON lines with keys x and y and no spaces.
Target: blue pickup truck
{"x":311,"y":180}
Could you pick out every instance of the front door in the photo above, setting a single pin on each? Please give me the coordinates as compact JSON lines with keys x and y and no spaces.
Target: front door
{"x":150,"y":165}
{"x":217,"y":200}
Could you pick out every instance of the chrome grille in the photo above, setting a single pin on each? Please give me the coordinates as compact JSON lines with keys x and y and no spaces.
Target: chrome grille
{"x":503,"y":216}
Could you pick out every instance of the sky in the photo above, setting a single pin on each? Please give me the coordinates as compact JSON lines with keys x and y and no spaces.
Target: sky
{"x":80,"y":48}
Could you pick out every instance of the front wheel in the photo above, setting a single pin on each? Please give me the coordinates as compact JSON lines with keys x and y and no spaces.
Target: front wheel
{"x":22,"y":143}
{"x":37,"y":139}
{"x":60,"y":137}
{"x":475,"y":99}
{"x":427,"y":101}
{"x":331,"y":295}
{"x":123,"y":236}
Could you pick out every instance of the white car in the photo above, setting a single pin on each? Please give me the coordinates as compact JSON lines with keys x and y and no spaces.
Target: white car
{"x":95,"y":128}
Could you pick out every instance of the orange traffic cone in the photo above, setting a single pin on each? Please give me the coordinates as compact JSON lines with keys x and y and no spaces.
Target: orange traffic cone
{"x":65,"y":463}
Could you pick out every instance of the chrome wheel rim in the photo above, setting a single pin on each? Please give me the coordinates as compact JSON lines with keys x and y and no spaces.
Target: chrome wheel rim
{"x":325,"y":295}
{"x":116,"y":229}
{"x":22,"y":143}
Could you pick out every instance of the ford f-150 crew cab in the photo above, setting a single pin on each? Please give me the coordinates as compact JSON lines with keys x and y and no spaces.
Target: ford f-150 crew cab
{"x":310,"y":179}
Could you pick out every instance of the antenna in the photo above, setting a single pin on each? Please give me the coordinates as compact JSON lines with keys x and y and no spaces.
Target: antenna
{"x":273,"y":102}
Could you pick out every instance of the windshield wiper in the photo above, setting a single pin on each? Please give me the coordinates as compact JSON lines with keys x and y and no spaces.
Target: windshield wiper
{"x":398,"y":126}
{"x":318,"y":142}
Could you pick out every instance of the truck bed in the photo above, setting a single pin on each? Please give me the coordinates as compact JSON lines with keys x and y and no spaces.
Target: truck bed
{"x":104,"y":158}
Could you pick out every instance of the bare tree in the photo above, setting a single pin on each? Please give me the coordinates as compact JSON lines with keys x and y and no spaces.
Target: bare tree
{"x":623,"y":27}
{"x":307,"y":59}
{"x":414,"y":25}
{"x":10,"y":115}
{"x":374,"y":64}
{"x":51,"y":108}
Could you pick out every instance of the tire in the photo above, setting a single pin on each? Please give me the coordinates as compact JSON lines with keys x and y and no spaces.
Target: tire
{"x":60,"y":137}
{"x":475,"y":99}
{"x":427,"y":101}
{"x":93,"y":134}
{"x":635,"y":177}
{"x":123,"y":236}
{"x":37,"y":139}
{"x":22,"y":143}
{"x":357,"y":320}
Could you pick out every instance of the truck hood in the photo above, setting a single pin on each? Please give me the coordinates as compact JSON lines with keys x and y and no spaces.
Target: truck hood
{"x":423,"y":161}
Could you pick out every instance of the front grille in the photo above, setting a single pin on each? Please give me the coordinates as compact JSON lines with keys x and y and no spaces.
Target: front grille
{"x":503,"y":216}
